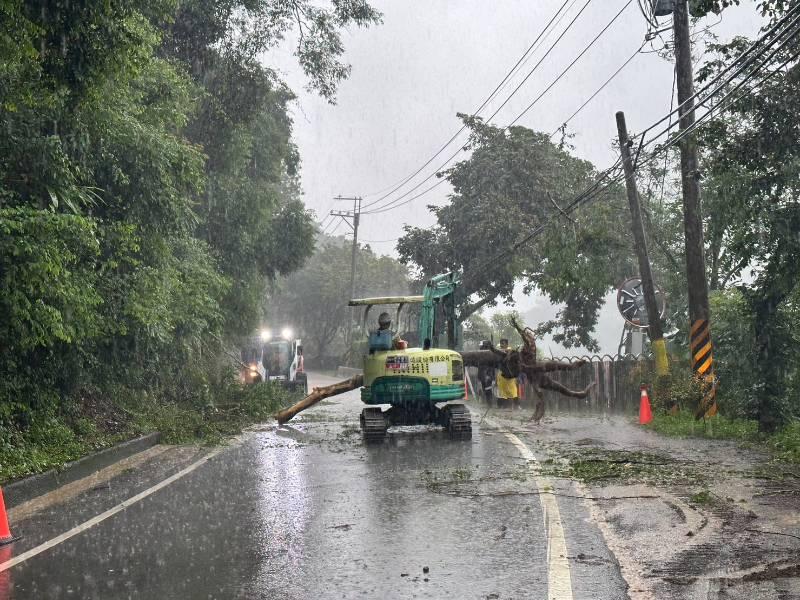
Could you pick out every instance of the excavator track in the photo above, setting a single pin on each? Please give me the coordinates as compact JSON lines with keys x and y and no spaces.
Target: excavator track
{"x":458,"y":422}
{"x":373,"y":424}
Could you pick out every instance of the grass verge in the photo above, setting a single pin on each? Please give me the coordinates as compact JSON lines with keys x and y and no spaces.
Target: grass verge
{"x":784,"y":445}
{"x":52,"y":440}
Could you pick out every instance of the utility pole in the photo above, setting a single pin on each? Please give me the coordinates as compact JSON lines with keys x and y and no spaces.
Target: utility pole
{"x":352,"y":218}
{"x":640,"y":244}
{"x":700,"y":335}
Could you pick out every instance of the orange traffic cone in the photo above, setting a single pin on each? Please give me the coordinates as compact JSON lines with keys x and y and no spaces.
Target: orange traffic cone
{"x":645,"y":415}
{"x":5,"y":532}
{"x":6,"y":554}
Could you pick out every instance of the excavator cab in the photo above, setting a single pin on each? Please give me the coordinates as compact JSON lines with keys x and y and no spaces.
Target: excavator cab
{"x":417,"y":385}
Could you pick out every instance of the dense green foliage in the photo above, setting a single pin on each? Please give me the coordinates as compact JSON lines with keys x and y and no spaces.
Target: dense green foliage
{"x":514,"y":181}
{"x":750,"y":160}
{"x":149,"y":192}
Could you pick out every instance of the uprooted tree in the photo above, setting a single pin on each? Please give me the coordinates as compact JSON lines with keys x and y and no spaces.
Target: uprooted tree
{"x":514,"y":181}
{"x":523,"y":361}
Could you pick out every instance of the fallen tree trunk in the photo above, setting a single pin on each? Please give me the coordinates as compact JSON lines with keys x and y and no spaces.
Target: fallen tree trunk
{"x":487,"y":358}
{"x":512,"y":363}
{"x":481,"y":358}
{"x":318,"y":394}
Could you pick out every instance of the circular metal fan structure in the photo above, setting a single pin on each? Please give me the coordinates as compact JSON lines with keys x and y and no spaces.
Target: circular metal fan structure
{"x":631,"y":305}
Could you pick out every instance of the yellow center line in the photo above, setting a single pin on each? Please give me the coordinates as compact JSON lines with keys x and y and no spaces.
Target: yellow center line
{"x":559,"y":578}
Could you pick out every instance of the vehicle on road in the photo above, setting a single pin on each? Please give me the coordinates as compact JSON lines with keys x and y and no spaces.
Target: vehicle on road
{"x":251,"y":369}
{"x":420,"y":385}
{"x":278,"y":359}
{"x":283,"y":360}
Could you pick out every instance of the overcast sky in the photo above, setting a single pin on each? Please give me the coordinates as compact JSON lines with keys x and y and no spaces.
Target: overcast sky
{"x":432,"y":59}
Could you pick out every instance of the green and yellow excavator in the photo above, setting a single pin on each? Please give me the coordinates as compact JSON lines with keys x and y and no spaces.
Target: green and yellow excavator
{"x":408,"y":384}
{"x":418,"y":385}
{"x":424,"y":383}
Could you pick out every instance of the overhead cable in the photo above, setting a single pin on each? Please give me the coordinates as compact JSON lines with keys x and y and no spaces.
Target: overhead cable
{"x":600,"y":89}
{"x":572,"y":64}
{"x":488,"y":99}
{"x":396,"y":202}
{"x":793,"y":15}
{"x":598,"y":187}
{"x":541,"y":60}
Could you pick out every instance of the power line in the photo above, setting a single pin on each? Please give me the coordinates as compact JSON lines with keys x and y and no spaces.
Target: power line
{"x":794,"y":14}
{"x":541,"y":60}
{"x":546,"y":36}
{"x":381,"y":241}
{"x":652,"y":22}
{"x":572,"y":64}
{"x":335,"y":228}
{"x":422,"y":193}
{"x":481,"y":107}
{"x":707,"y":115}
{"x":728,"y":99}
{"x":396,"y":202}
{"x":716,"y":108}
{"x":666,"y":156}
{"x":595,"y":190}
{"x":600,"y":89}
{"x":516,"y":89}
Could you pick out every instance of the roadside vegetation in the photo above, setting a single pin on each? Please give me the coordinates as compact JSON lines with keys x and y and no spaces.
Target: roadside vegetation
{"x":784,"y":444}
{"x":56,"y":438}
{"x":149,"y":194}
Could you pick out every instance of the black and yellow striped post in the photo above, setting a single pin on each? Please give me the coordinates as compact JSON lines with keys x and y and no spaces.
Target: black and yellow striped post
{"x":703,"y":367}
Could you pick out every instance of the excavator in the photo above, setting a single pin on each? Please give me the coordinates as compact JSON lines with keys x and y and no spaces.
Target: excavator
{"x":421,"y":385}
{"x":425,"y":384}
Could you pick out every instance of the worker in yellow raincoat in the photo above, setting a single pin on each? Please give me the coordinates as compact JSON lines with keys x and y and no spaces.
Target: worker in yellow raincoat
{"x":507,"y":393}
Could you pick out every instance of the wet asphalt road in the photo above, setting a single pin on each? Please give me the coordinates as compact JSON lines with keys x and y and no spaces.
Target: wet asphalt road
{"x":308,"y":512}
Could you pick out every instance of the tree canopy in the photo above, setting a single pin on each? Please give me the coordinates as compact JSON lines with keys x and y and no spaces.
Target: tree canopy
{"x":513,"y":182}
{"x":149,"y":186}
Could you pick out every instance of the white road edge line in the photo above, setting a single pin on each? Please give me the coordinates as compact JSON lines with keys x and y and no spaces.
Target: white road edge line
{"x":111,"y":511}
{"x":559,"y":579}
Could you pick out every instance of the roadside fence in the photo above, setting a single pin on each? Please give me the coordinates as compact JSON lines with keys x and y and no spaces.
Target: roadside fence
{"x":616,"y":388}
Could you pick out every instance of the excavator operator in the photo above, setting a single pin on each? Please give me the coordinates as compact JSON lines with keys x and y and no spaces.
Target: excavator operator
{"x":384,"y":338}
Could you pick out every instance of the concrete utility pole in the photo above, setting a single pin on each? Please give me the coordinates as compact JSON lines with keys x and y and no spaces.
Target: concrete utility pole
{"x":700,"y":335}
{"x":690,"y":176}
{"x":352,"y":218}
{"x":640,"y":243}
